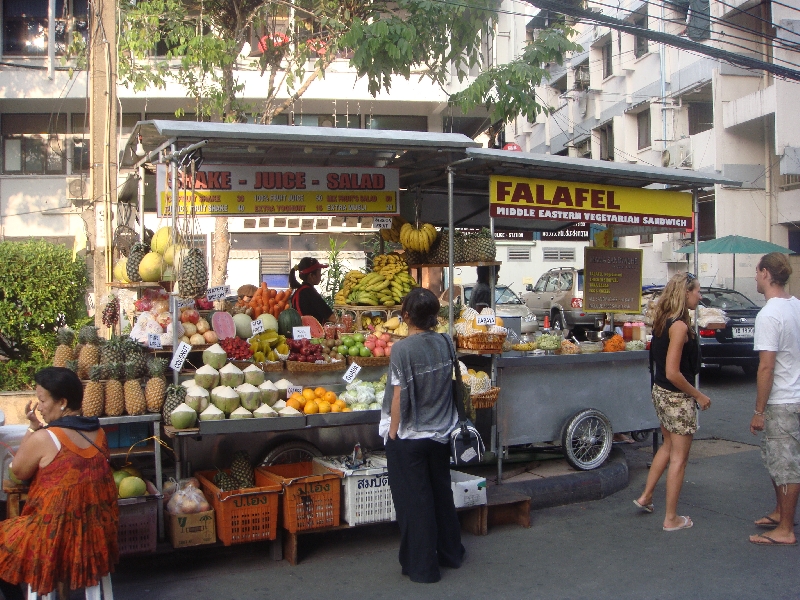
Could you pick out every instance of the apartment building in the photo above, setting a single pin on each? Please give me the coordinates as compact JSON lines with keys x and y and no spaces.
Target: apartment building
{"x":625,"y":98}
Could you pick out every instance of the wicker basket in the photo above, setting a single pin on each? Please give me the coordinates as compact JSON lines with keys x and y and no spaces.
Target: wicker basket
{"x":271,"y":367}
{"x":294,"y":366}
{"x":486,"y":399}
{"x":369,"y":361}
{"x":486,"y":342}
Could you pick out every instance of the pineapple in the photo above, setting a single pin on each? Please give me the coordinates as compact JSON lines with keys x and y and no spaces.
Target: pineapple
{"x":193,"y":275}
{"x":93,"y":401}
{"x":242,"y":470}
{"x":115,"y":396}
{"x":134,"y":396}
{"x":484,"y":249}
{"x":112,"y":351}
{"x":133,"y":354}
{"x":66,"y":337}
{"x":225,"y":482}
{"x":156,"y":386}
{"x":175,"y":395}
{"x":138,"y":252}
{"x":90,"y":350}
{"x":72,"y":365}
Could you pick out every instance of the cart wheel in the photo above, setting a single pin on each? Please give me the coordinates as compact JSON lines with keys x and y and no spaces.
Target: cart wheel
{"x":640,"y":436}
{"x":291,"y":452}
{"x":587,"y":438}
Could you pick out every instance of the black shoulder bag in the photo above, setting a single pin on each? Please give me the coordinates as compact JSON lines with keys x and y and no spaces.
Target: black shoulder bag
{"x":466,"y":445}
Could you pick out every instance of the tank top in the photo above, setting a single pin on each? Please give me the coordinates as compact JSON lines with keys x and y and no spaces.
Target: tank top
{"x":690,"y":358}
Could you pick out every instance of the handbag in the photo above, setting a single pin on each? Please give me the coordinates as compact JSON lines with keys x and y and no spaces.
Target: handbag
{"x":466,"y":445}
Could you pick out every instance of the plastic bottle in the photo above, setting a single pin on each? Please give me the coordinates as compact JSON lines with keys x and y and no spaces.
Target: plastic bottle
{"x":627,"y":331}
{"x":642,"y":330}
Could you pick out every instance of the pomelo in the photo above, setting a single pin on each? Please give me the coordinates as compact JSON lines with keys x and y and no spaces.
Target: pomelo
{"x":132,"y":486}
{"x":161,"y":240}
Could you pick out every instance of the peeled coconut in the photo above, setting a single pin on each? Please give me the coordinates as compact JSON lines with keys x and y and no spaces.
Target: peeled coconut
{"x":215,"y":356}
{"x":269,"y":393}
{"x":207,"y":377}
{"x":225,"y":398}
{"x":151,"y":267}
{"x":241,"y":413}
{"x":197,"y":398}
{"x":283,"y":386}
{"x":231,"y":375}
{"x":189,"y":383}
{"x":249,"y":395}
{"x":253,"y":375}
{"x":212,"y":413}
{"x":183,"y":417}
{"x":288,"y":411}
{"x":279,"y":405}
{"x":264,"y":411}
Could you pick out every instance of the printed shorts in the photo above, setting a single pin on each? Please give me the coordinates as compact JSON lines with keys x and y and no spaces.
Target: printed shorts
{"x":780,"y":447}
{"x":676,"y":411}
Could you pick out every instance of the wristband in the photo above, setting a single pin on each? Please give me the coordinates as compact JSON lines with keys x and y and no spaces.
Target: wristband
{"x":760,"y":414}
{"x":32,"y":430}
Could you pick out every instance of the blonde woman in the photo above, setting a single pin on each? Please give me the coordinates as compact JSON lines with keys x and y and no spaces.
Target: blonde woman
{"x":676,"y":356}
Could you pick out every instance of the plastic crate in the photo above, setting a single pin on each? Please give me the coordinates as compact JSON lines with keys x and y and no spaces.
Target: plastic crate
{"x":366,"y":494}
{"x":245,"y":515}
{"x":133,"y":433}
{"x":137,"y":532}
{"x":311,"y":494}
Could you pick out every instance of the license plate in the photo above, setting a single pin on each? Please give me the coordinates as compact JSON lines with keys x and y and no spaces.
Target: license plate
{"x":743,"y":332}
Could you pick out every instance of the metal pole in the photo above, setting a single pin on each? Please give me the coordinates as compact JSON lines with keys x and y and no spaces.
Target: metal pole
{"x":51,"y":44}
{"x":141,"y":203}
{"x":174,"y":296}
{"x":695,"y":211}
{"x":450,"y":247}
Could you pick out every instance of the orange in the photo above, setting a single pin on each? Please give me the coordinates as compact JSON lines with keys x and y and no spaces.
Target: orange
{"x":347,"y":409}
{"x":498,"y":321}
{"x":324,"y":407}
{"x":293,"y":403}
{"x":335,"y":407}
{"x":340,"y":403}
{"x":320,"y":392}
{"x":299,"y":398}
{"x":329,"y":397}
{"x":309,"y":394}
{"x":311,"y":408}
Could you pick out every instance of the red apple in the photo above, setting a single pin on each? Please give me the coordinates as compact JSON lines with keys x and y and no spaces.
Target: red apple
{"x":386,"y":337}
{"x":190,"y":315}
{"x":164,"y":319}
{"x":379,"y":351}
{"x":388,"y":350}
{"x":370,"y":344}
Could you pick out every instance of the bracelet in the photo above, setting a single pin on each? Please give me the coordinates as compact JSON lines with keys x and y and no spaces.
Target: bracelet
{"x":32,"y":430}
{"x":760,"y":414}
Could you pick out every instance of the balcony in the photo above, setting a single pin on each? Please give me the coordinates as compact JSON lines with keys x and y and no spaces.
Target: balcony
{"x":748,"y":108}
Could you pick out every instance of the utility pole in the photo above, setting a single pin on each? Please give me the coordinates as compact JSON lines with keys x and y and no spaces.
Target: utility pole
{"x":102,"y":130}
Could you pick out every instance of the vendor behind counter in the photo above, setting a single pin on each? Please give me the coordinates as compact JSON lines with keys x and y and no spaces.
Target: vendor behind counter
{"x":306,"y":299}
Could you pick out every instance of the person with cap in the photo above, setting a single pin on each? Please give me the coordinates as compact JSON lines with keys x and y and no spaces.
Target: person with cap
{"x":306,"y":299}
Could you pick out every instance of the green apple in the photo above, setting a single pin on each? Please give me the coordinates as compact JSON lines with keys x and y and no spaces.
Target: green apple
{"x":365,"y":351}
{"x":348,"y":341}
{"x":354,"y":351}
{"x":342,"y":349}
{"x":358,"y":337}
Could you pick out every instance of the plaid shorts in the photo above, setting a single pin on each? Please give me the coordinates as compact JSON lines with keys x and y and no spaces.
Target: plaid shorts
{"x":780,"y":447}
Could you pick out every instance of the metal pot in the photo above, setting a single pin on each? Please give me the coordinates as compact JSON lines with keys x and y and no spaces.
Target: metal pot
{"x":529,"y":324}
{"x":595,"y":336}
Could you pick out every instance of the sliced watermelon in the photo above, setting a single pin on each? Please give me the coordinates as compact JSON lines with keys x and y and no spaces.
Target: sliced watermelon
{"x":223,"y":325}
{"x":313,"y":324}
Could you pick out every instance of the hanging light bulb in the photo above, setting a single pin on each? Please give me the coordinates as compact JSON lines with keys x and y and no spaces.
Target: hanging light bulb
{"x":140,"y":151}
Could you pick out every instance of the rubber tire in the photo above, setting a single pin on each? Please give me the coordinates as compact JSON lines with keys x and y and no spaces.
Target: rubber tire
{"x":291,"y":452}
{"x":600,"y":442}
{"x":640,"y":436}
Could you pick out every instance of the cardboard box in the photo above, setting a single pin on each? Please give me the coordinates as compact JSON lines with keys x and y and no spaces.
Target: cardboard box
{"x":192,"y":530}
{"x":468,"y":490}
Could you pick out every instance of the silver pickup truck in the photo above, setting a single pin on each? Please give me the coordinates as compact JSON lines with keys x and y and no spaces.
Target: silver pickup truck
{"x":559,"y":295}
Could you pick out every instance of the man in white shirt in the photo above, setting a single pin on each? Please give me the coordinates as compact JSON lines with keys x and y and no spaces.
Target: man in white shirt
{"x":777,"y":413}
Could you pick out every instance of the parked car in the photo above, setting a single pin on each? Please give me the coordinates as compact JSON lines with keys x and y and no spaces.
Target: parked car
{"x":507,"y":303}
{"x":732,"y":345}
{"x":559,"y":295}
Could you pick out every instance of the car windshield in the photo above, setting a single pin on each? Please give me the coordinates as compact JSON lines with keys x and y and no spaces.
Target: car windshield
{"x":502,"y":295}
{"x":726,"y":300}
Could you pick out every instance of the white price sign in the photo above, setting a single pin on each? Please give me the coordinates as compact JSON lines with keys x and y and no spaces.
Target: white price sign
{"x":352,"y":373}
{"x":484,"y":320}
{"x":301,"y":333}
{"x":218,"y":293}
{"x":257,"y":326}
{"x":181,"y":303}
{"x":154,"y":341}
{"x":180,"y":356}
{"x":382,"y":222}
{"x":292,"y":389}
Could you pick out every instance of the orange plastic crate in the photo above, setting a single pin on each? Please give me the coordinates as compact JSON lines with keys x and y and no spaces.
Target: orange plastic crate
{"x":312,"y":494}
{"x":246,"y":515}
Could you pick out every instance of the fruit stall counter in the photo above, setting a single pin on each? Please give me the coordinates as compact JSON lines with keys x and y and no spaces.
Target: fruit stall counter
{"x":575,"y":400}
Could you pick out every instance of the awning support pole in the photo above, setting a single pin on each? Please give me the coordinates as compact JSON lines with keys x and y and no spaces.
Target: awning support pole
{"x":695,"y":211}
{"x":450,"y":249}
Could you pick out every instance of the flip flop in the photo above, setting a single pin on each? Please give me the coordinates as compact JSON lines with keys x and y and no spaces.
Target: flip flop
{"x":772,"y":522}
{"x":770,"y":541}
{"x":648,"y":508}
{"x":687,"y":523}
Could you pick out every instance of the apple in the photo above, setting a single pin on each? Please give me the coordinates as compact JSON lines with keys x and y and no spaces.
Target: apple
{"x":370,"y":344}
{"x":365,"y":352}
{"x":379,"y":351}
{"x":358,"y":337}
{"x":388,"y":350}
{"x":370,"y":338}
{"x":190,"y":315}
{"x":386,"y":337}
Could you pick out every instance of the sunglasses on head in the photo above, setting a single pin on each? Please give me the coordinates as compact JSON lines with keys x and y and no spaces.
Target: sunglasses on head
{"x":690,"y":277}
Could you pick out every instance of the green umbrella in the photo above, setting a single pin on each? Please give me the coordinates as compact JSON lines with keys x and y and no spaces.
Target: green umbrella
{"x":735,"y":244}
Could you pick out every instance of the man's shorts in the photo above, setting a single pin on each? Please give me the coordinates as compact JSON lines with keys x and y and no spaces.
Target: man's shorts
{"x":780,"y":447}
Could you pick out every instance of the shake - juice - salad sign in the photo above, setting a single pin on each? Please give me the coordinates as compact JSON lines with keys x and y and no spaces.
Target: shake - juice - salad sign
{"x":245,"y":190}
{"x":548,"y":200}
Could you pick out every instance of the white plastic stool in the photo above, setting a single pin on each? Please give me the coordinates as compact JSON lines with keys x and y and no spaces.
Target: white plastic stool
{"x":92,"y":593}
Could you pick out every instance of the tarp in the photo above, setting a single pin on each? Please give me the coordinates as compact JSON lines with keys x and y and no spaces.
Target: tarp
{"x":735,"y":244}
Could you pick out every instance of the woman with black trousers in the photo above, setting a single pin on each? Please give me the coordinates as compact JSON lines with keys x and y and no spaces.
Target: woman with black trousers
{"x":417,"y":417}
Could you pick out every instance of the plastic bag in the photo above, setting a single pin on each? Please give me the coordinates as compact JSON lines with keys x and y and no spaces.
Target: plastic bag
{"x":187,"y":500}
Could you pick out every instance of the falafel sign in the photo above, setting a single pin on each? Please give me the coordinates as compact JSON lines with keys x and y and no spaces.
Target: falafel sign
{"x":258,"y":190}
{"x":550,"y":200}
{"x":612,"y":280}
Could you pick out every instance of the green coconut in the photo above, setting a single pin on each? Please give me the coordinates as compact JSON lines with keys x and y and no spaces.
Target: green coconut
{"x":197,"y":398}
{"x":189,"y":383}
{"x":264,"y":411}
{"x":212,"y":413}
{"x":279,"y":405}
{"x":249,"y":395}
{"x":288,"y":411}
{"x":231,"y":375}
{"x":214,"y":356}
{"x":241,"y":413}
{"x":225,"y":398}
{"x":269,"y":393}
{"x":253,"y":375}
{"x":207,"y":377}
{"x":183,"y":417}
{"x":283,"y":386}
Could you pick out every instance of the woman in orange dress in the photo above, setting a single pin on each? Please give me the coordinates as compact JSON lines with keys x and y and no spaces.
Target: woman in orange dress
{"x":67,"y":531}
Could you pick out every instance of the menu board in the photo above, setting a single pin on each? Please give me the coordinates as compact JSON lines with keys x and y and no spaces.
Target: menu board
{"x":612,"y":280}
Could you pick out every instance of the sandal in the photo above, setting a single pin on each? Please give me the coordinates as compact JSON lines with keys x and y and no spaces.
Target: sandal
{"x":687,"y":523}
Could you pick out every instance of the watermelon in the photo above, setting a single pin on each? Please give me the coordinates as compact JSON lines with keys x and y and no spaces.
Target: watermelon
{"x":313,"y":324}
{"x":223,"y":325}
{"x":288,"y":319}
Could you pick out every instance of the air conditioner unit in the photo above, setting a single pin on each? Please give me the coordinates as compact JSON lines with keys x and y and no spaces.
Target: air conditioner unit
{"x":670,"y":254}
{"x":678,"y":154}
{"x":77,"y":189}
{"x":581,"y":78}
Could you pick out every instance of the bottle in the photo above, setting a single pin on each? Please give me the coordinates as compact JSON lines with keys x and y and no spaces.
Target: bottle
{"x":642,"y":330}
{"x":627,"y":331}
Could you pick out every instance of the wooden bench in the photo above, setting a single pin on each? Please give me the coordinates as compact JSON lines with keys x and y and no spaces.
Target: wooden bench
{"x":16,"y":494}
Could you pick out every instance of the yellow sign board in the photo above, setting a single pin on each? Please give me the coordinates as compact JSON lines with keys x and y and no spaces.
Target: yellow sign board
{"x":543,"y":199}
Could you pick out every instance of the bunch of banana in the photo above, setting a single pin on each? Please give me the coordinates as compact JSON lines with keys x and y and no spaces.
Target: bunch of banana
{"x":419,"y":240}
{"x":377,"y":289}
{"x":385,"y":260}
{"x":350,"y":280}
{"x":393,"y":234}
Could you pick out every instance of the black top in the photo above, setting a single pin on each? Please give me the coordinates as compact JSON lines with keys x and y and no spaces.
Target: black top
{"x":690,"y":358}
{"x":481,"y":295}
{"x":307,"y":301}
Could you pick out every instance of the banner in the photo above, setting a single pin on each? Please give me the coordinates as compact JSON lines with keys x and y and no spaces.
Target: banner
{"x":543,"y":199}
{"x":250,"y":190}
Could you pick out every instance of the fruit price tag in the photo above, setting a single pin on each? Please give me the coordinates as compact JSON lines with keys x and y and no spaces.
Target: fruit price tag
{"x":382,"y":222}
{"x":292,"y":389}
{"x":257,"y":326}
{"x":484,"y":320}
{"x":351,"y":373}
{"x":154,"y":341}
{"x":218,"y":293}
{"x":180,"y":356}
{"x":179,"y":303}
{"x":301,"y":333}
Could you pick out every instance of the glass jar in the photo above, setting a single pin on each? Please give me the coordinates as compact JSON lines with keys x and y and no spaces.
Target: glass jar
{"x":347,"y":323}
{"x":627,"y":331}
{"x":330,"y":331}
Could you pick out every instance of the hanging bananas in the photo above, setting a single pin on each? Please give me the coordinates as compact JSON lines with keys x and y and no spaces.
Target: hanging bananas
{"x":393,"y":234}
{"x":386,"y":285}
{"x":419,"y":240}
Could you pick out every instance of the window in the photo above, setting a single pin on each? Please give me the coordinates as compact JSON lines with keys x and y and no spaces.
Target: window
{"x":707,"y":217}
{"x":646,"y":238}
{"x":640,"y":42}
{"x":565,"y":281}
{"x":25,"y":24}
{"x":34,"y":143}
{"x":80,"y":143}
{"x":582,"y":76}
{"x":643,"y":128}
{"x":584,"y":148}
{"x":701,"y":117}
{"x":519,"y":254}
{"x":398,"y":122}
{"x":606,"y":135}
{"x":275,"y":268}
{"x":558,"y":255}
{"x":539,"y":287}
{"x":608,"y":65}
{"x":552,"y":283}
{"x":339,"y":121}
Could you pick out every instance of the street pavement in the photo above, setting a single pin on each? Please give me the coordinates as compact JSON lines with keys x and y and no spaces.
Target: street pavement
{"x":601,"y":549}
